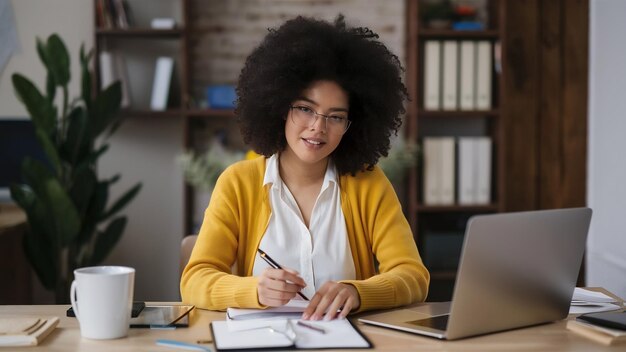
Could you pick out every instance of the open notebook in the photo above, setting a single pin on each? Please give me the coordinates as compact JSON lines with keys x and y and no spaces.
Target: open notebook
{"x":281,"y":327}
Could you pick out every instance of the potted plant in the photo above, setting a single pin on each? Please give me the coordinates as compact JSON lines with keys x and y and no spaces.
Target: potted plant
{"x":70,"y":225}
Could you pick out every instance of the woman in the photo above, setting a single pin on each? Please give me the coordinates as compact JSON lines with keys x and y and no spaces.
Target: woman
{"x":319,"y":101}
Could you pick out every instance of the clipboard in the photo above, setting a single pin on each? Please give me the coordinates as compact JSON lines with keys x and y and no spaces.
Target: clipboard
{"x":163,"y":317}
{"x":341,"y":334}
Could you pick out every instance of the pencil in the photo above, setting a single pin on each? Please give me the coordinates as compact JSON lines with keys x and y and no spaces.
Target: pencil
{"x":275,"y":265}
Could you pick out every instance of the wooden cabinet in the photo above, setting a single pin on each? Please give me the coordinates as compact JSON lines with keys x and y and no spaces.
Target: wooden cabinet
{"x":439,"y":225}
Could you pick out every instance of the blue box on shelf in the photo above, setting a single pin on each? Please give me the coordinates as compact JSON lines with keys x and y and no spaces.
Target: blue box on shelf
{"x":221,"y":96}
{"x":468,"y":26}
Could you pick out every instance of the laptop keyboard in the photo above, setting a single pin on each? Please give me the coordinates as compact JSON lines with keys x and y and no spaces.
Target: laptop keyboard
{"x":439,"y":322}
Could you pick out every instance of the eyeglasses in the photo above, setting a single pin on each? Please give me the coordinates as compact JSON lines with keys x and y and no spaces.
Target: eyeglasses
{"x":304,"y":116}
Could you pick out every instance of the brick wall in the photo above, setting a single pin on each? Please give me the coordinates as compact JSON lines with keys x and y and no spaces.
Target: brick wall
{"x":228,"y":30}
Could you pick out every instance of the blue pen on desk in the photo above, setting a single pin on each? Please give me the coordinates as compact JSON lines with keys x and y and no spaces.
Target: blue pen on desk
{"x":182,"y":345}
{"x":275,"y":265}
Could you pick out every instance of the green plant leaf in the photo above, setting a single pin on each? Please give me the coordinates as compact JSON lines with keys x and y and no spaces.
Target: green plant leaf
{"x":49,"y":148}
{"x":40,"y":108}
{"x":42,"y":51}
{"x":122,"y":201}
{"x":82,"y":190}
{"x":63,"y":212}
{"x":77,"y":139}
{"x":85,"y":76}
{"x":60,"y":210}
{"x":106,"y":107}
{"x":51,"y":87}
{"x":94,"y":212}
{"x":106,"y":240}
{"x":58,"y":60}
{"x":36,"y":213}
{"x":37,"y":242}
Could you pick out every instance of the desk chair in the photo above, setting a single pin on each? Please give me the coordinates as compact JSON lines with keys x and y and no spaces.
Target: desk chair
{"x":186,"y":246}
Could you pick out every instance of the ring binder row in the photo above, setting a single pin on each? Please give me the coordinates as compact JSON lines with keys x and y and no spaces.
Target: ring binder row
{"x":458,"y":75}
{"x":457,"y":170}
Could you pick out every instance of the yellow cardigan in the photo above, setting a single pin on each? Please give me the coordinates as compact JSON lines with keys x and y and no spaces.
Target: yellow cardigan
{"x":237,"y":218}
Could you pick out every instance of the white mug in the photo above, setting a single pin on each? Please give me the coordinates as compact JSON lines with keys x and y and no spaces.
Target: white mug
{"x":102,"y":300}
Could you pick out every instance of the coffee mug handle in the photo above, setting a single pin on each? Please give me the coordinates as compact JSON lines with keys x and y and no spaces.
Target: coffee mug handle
{"x":73,"y":299}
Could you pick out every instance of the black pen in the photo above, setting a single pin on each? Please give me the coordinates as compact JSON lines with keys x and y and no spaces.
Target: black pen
{"x":275,"y":265}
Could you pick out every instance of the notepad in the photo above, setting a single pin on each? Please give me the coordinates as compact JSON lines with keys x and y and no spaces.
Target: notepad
{"x":286,"y":333}
{"x":25,"y":330}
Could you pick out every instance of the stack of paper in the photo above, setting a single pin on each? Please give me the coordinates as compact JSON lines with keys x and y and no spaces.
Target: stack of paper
{"x":25,"y":331}
{"x":586,"y":301}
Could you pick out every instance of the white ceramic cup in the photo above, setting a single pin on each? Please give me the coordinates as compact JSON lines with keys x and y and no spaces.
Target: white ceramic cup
{"x":102,"y":299}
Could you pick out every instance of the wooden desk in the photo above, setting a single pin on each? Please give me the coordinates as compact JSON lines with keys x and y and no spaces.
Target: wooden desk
{"x":548,"y":337}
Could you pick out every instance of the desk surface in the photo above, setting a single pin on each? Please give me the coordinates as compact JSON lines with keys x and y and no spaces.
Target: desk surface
{"x":547,"y":337}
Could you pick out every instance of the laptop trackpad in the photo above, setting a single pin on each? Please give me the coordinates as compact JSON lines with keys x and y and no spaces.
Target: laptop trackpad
{"x":439,"y":322}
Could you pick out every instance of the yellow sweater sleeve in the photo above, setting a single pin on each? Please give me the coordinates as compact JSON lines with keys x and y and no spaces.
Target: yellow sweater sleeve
{"x":207,"y":281}
{"x":402,"y":278}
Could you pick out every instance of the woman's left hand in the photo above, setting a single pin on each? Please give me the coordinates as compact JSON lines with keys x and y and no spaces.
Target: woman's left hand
{"x":333,"y":298}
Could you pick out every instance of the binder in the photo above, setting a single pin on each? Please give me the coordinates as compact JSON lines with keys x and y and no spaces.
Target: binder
{"x":439,"y":178}
{"x":467,"y":75}
{"x":483,"y":75}
{"x":450,"y":75}
{"x":432,"y":75}
{"x":483,"y":176}
{"x":467,"y":171}
{"x":447,"y":173}
{"x":432,"y":165}
{"x":162,"y":81}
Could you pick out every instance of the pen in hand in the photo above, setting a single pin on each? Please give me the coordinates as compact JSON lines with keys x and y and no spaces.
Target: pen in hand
{"x":275,"y":265}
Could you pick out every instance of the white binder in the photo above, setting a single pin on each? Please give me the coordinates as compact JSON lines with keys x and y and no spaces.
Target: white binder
{"x":450,"y":75}
{"x":467,"y":76}
{"x":161,"y":85}
{"x":483,"y":75}
{"x":432,"y":75}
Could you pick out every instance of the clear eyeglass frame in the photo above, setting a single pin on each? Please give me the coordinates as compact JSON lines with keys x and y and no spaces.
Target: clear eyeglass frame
{"x":304,"y":116}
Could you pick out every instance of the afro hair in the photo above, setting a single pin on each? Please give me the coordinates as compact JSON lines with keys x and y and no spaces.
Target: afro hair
{"x":305,"y":50}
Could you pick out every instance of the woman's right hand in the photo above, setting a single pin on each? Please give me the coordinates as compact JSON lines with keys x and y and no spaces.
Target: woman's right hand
{"x":278,"y":286}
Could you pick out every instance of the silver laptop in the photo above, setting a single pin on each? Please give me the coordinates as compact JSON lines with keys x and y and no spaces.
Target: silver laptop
{"x":516,"y":270}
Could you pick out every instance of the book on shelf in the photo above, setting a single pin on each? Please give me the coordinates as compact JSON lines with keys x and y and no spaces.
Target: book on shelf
{"x":162,"y":82}
{"x":25,"y":330}
{"x":450,"y":75}
{"x":112,"y":14}
{"x":112,"y":69}
{"x":439,"y":178}
{"x":601,"y":334}
{"x":432,"y":74}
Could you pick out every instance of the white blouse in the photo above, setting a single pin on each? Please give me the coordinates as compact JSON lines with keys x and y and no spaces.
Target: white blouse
{"x":319,"y":253}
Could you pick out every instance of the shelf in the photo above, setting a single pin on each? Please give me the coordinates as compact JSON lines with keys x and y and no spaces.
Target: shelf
{"x":140,"y":33}
{"x":153,"y":113}
{"x":209,"y":113}
{"x":421,"y":208}
{"x":472,"y":114}
{"x":425,"y":33}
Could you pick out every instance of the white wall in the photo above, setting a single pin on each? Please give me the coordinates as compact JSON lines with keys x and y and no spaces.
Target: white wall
{"x":606,"y":254}
{"x":142,"y":150}
{"x":71,"y":19}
